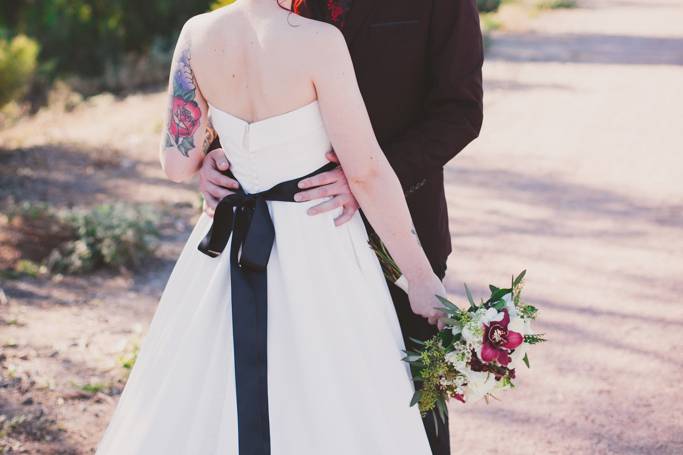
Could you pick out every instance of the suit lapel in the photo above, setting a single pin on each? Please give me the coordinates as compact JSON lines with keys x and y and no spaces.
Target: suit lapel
{"x":357,"y":16}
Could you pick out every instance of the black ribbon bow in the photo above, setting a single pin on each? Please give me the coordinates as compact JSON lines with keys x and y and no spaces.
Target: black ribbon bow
{"x":247,"y":219}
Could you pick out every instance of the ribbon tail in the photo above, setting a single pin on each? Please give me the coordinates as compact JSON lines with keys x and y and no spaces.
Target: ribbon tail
{"x":217,"y":238}
{"x":258,"y":240}
{"x":249,"y":292}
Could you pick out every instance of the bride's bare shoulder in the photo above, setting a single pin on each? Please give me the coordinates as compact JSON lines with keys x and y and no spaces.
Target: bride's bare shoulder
{"x":226,"y":18}
{"x":321,"y":41}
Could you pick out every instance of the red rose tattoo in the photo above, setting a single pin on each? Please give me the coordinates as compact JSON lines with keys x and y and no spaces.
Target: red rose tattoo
{"x":185,"y":113}
{"x":185,"y":118}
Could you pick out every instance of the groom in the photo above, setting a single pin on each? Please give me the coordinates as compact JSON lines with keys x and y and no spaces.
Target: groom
{"x":418,"y":64}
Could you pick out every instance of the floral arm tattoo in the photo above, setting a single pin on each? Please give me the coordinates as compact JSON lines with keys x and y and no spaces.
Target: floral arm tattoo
{"x":185,"y":113}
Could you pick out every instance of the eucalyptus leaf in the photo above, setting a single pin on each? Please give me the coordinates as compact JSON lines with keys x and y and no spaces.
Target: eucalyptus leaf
{"x":519,"y":278}
{"x":420,"y":342}
{"x":449,"y":305}
{"x":416,"y":397}
{"x":469,"y":296}
{"x":412,"y":358}
{"x":443,"y":410}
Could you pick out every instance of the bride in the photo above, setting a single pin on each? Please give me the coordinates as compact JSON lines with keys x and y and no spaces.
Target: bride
{"x":276,"y":332}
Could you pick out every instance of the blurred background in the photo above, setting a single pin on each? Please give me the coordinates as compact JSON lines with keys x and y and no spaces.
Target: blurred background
{"x":577,"y":177}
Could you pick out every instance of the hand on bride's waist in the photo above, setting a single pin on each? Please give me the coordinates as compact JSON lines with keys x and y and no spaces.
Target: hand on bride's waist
{"x":213,"y":184}
{"x":333,"y":186}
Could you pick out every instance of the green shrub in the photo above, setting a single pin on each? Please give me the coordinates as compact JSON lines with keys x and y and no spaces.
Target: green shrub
{"x":111,"y":236}
{"x":18,"y":61}
{"x":488,"y":6}
{"x":556,"y":4}
{"x":89,"y":37}
{"x":221,"y":3}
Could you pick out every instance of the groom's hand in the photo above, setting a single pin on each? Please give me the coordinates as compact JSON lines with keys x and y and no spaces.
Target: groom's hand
{"x":212,"y":183}
{"x":331,"y":183}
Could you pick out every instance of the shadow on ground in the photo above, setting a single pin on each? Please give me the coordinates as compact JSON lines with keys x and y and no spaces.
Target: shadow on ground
{"x":587,"y":48}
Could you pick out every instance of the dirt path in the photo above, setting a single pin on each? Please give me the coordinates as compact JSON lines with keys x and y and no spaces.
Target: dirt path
{"x":577,"y":177}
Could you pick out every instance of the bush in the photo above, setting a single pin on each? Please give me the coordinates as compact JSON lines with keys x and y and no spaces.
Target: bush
{"x":30,"y":231}
{"x":488,"y":6}
{"x":111,"y":236}
{"x":556,"y":4}
{"x":77,"y":241}
{"x":220,"y":3}
{"x":88,"y":37}
{"x":18,"y":61}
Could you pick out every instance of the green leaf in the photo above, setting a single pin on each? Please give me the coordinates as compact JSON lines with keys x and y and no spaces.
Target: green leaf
{"x":416,"y":397}
{"x":519,"y":278}
{"x":412,"y":358}
{"x":499,"y":305}
{"x":436,"y":424}
{"x":420,"y":342}
{"x":498,"y":294}
{"x":185,"y":146}
{"x":189,"y":95}
{"x":449,"y":305}
{"x":534,"y":338}
{"x":469,"y":296}
{"x":443,"y":410}
{"x":525,"y":359}
{"x":493,"y":288}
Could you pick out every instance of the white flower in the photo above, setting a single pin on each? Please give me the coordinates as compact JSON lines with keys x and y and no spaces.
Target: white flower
{"x":479,"y":384}
{"x":510,"y":306}
{"x":517,"y":356}
{"x":520,"y":325}
{"x":459,"y":357}
{"x":490,"y":315}
{"x":473,"y":333}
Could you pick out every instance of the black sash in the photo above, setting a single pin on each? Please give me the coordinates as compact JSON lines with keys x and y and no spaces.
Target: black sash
{"x":247,"y":219}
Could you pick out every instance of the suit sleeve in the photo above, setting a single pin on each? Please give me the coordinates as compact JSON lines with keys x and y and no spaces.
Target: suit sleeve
{"x":453,"y":110}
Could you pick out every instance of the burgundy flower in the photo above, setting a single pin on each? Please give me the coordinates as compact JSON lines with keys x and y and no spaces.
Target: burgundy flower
{"x":184,"y":118}
{"x":498,"y":341}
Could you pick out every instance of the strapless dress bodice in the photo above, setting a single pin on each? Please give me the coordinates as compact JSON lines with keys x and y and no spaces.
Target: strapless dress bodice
{"x":273,"y":150}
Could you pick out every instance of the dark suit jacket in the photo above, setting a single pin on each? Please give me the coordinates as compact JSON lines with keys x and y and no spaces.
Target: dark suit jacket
{"x":418,"y":65}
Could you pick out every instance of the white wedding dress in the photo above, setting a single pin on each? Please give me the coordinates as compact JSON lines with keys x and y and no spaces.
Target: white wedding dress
{"x":336,"y":382}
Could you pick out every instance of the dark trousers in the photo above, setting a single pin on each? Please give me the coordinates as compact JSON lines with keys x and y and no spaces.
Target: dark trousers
{"x":414,"y":326}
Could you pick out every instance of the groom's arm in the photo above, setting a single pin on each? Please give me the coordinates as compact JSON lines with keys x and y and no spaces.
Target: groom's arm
{"x":453,"y":107}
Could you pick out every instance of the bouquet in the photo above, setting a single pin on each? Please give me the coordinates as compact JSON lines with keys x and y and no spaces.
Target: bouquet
{"x":478,"y":351}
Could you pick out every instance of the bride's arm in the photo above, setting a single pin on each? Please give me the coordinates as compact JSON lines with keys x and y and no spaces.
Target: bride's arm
{"x":186,"y":123}
{"x":371,"y":178}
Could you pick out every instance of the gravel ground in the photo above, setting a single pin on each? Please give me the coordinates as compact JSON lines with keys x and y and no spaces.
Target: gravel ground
{"x":577,"y":177}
